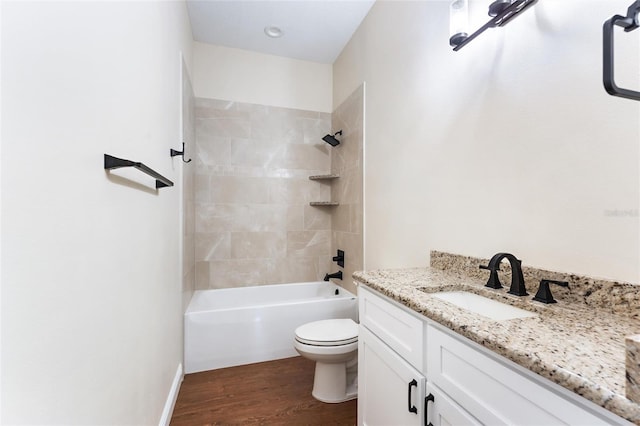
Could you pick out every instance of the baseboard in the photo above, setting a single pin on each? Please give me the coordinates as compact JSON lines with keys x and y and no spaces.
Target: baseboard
{"x":171,"y":398}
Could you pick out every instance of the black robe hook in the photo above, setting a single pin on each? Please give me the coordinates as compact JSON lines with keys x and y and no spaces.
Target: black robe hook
{"x":174,"y":153}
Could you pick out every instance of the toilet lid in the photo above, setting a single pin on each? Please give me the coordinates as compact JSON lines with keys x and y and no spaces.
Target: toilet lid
{"x":332,"y":332}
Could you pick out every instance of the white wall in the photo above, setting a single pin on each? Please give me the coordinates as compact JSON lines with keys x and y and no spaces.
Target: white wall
{"x":510,"y":144}
{"x":243,"y":76}
{"x":91,"y":285}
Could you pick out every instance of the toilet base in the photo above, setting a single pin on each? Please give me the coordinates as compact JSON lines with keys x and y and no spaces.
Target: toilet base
{"x":335,"y":382}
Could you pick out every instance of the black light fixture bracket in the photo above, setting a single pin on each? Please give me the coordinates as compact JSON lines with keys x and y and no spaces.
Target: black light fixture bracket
{"x":628,"y":23}
{"x":503,"y":11}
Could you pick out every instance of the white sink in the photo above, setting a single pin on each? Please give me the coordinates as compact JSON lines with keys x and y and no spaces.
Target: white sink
{"x":483,"y":306}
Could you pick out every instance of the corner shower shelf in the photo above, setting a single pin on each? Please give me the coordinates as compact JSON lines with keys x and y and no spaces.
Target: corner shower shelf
{"x":324,"y":203}
{"x":327,"y":177}
{"x":324,"y":177}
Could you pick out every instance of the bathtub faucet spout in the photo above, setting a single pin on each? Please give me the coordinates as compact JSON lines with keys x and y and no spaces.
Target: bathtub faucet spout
{"x":337,"y":275}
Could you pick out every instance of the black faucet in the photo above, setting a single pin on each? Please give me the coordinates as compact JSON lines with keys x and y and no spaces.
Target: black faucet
{"x":517,"y":280}
{"x":544,"y":293}
{"x":337,"y":275}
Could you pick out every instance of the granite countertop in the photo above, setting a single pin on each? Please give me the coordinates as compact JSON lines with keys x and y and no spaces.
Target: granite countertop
{"x":577,"y":346}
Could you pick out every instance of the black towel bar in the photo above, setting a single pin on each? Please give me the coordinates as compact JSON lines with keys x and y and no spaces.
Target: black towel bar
{"x":628,"y":23}
{"x":111,"y":162}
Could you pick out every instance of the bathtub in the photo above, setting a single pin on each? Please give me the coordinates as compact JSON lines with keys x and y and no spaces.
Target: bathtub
{"x":228,"y":327}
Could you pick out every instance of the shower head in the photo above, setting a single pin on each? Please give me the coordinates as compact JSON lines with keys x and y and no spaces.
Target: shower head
{"x":331,"y":139}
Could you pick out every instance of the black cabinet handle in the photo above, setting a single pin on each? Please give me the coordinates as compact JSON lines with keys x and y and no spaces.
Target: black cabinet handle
{"x":412,"y":408}
{"x":428,"y":398}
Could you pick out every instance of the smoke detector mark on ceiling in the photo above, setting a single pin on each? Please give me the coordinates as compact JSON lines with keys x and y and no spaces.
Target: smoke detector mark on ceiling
{"x":273,"y":31}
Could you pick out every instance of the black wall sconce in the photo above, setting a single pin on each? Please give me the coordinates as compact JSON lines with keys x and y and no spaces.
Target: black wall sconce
{"x":501,"y":11}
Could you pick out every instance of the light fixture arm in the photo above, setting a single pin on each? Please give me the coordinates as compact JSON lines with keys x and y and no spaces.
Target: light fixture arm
{"x":631,"y":20}
{"x":503,"y":17}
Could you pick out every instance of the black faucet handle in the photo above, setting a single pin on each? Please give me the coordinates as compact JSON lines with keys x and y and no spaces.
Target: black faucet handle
{"x":494,"y":280}
{"x":490,"y":267}
{"x":339,"y":258}
{"x":544,"y":292}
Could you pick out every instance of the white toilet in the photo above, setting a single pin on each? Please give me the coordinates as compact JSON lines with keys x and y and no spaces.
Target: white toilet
{"x":333,"y":345}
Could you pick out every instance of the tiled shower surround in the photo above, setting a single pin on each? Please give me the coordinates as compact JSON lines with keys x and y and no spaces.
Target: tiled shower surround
{"x":347,"y":161}
{"x":254,"y":225}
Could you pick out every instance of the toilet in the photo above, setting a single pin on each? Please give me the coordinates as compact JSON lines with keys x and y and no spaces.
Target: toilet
{"x":333,"y":345}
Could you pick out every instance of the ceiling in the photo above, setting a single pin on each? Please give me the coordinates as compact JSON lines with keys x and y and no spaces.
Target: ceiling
{"x":313,"y":30}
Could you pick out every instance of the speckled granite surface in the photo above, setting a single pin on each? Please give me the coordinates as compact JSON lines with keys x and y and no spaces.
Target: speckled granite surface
{"x":606,"y":295}
{"x":576,"y":343}
{"x":633,"y":367}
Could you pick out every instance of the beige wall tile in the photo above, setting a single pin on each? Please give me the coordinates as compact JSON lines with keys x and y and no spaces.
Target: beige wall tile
{"x":188,"y":254}
{"x":202,"y":275}
{"x":340,"y":218}
{"x":263,"y":153}
{"x":346,"y":160}
{"x":246,"y":245}
{"x":212,"y":150}
{"x":224,"y":127}
{"x":348,"y":189}
{"x":213,"y":246}
{"x":202,"y":187}
{"x":316,"y":218}
{"x":308,"y":243}
{"x":299,"y":270}
{"x":238,"y":190}
{"x":326,"y":266}
{"x":252,"y":191}
{"x":242,"y":272}
{"x":240,"y":217}
{"x":276,"y":124}
{"x":297,"y":191}
{"x":313,"y":129}
{"x":295,"y":217}
{"x":307,"y":156}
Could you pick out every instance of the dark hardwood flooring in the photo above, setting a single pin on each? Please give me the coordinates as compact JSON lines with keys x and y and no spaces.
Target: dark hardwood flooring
{"x":268,"y":393}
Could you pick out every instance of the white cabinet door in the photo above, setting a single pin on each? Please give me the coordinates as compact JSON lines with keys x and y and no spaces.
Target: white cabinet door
{"x":442,"y":411}
{"x":390,"y":391}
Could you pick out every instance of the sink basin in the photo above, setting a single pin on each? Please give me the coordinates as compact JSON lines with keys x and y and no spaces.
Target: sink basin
{"x":483,"y":306}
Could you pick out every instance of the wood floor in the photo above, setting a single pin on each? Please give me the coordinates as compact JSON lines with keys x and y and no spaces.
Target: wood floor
{"x":268,"y":393}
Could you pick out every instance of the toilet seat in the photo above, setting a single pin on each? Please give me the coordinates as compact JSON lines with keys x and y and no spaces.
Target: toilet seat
{"x":332,"y":332}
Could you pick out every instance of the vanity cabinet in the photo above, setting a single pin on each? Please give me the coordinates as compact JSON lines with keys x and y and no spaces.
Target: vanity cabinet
{"x":457,"y":382}
{"x":390,"y":390}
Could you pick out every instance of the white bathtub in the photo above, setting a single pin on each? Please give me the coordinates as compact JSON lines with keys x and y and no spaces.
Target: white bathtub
{"x":237,"y":326}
